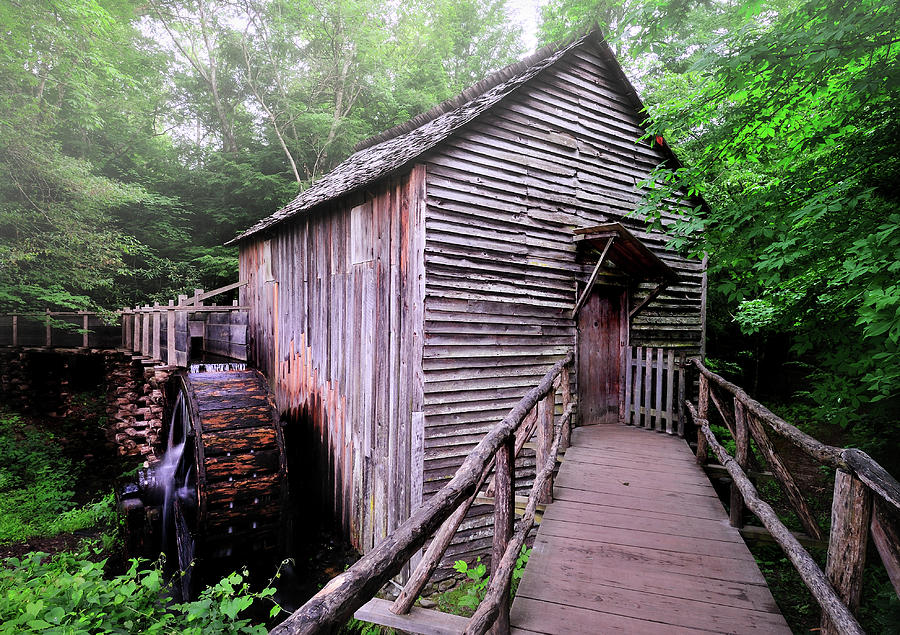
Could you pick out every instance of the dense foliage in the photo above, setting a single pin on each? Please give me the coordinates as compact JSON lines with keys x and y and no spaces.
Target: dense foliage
{"x":70,"y":593}
{"x":137,"y":137}
{"x":36,"y":486}
{"x":782,"y":113}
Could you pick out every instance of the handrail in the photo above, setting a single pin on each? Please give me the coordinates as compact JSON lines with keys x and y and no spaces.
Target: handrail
{"x":337,"y":601}
{"x":857,"y":478}
{"x":812,"y":575}
{"x":850,"y":459}
{"x":148,"y":330}
{"x":826,"y":454}
{"x":498,"y":589}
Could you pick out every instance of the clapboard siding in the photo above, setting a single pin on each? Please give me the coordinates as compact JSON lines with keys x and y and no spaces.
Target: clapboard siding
{"x":504,"y":195}
{"x":401,"y":332}
{"x":336,"y":323}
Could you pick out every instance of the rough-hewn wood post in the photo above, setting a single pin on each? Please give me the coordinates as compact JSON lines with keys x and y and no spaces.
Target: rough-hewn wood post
{"x":84,"y":328}
{"x":504,"y":517}
{"x":155,"y":345}
{"x":703,"y":412}
{"x":741,"y":455}
{"x":545,"y":439}
{"x":15,"y":329}
{"x":851,"y":512}
{"x":49,"y":334}
{"x":171,"y":358}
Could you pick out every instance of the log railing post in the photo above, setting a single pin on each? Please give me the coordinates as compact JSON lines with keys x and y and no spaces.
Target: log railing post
{"x":742,"y":456}
{"x":545,"y":409}
{"x":703,"y":412}
{"x":48,"y":340}
{"x":15,"y":330}
{"x":171,"y":359}
{"x":504,"y":517}
{"x":156,"y":344}
{"x":84,"y":328}
{"x":851,"y":512}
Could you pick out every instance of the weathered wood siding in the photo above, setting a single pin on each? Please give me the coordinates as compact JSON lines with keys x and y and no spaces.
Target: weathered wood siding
{"x":336,"y":324}
{"x":503,"y":197}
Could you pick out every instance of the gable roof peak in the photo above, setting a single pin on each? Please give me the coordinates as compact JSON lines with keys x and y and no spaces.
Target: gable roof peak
{"x":397,"y":147}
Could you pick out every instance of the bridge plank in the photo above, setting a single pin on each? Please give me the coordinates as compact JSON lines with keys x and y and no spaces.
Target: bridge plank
{"x":645,"y":521}
{"x":656,"y":607}
{"x":418,"y":620}
{"x":653,"y":555}
{"x":638,"y":538}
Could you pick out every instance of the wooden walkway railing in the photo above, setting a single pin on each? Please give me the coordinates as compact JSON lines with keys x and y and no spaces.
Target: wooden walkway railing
{"x":161,"y":333}
{"x":164,"y":332}
{"x":59,"y":329}
{"x":865,"y":497}
{"x":444,"y":511}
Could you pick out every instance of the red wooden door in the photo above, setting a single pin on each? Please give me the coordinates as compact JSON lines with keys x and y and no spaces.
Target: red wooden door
{"x":600,"y":347}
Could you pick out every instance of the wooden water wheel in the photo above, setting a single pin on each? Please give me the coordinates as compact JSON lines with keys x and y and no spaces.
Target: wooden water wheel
{"x":230,"y":482}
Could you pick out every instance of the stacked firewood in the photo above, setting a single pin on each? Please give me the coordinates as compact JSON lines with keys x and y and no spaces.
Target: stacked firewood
{"x":136,"y":402}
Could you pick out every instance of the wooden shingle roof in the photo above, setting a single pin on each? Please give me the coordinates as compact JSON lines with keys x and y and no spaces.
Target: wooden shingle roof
{"x":399,"y":146}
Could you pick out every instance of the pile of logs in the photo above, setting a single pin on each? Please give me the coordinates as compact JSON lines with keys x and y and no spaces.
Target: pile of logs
{"x":135,"y":405}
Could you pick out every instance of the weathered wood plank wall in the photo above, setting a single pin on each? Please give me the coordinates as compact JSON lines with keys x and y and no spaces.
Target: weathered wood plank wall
{"x":504,"y":195}
{"x":336,"y":323}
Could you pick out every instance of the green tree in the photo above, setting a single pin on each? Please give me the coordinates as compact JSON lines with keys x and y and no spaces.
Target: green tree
{"x":783,"y":113}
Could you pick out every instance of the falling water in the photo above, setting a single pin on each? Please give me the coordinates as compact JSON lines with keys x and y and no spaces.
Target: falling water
{"x":203,"y":367}
{"x":164,"y":472}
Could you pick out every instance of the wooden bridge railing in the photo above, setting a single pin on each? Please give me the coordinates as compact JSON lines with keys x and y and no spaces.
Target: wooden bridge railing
{"x":865,"y":497}
{"x":444,"y":511}
{"x":159,"y":332}
{"x":61,"y":329}
{"x":164,"y":332}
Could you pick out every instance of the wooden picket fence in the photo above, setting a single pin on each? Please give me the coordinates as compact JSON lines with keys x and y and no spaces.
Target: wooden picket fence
{"x":655,"y":386}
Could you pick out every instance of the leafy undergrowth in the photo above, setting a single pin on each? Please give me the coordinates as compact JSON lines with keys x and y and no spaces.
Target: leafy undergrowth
{"x":463,"y":599}
{"x":45,"y":501}
{"x":37,"y":486}
{"x":70,"y":593}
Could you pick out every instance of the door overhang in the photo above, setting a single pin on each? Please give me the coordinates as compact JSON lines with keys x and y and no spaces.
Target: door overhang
{"x":614,"y":242}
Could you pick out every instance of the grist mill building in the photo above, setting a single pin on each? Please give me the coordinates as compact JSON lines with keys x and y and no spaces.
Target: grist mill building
{"x":402,"y":304}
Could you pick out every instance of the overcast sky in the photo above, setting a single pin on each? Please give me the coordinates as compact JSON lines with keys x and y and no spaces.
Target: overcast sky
{"x":528,"y":14}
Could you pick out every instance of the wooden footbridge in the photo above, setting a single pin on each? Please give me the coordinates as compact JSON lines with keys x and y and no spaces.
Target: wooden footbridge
{"x":633,"y":538}
{"x":636,"y":541}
